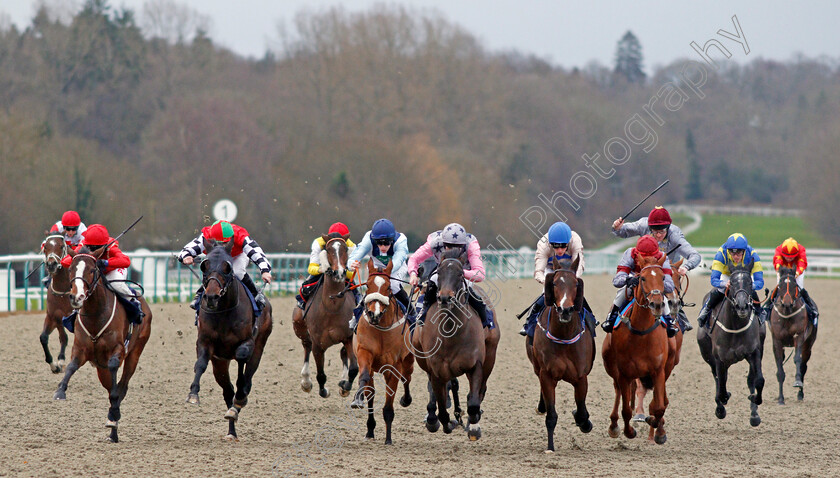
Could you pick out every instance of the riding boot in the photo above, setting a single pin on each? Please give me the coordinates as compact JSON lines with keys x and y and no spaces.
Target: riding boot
{"x":402,"y":298}
{"x":764,"y":314}
{"x":670,"y":325}
{"x":197,"y":298}
{"x":714,"y":299}
{"x":607,"y":325}
{"x":258,"y":297}
{"x":480,"y":307}
{"x":531,"y":322}
{"x":813,"y":311}
{"x":46,"y":281}
{"x":683,"y":320}
{"x":357,"y":312}
{"x":307,"y":288}
{"x":758,"y":308}
{"x":429,"y":298}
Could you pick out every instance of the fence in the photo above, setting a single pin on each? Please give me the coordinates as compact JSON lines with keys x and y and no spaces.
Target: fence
{"x":164,"y":279}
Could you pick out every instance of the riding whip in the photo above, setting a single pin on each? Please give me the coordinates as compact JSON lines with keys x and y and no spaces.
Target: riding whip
{"x":33,"y":271}
{"x":519,"y":315}
{"x":122,"y":233}
{"x":645,"y":199}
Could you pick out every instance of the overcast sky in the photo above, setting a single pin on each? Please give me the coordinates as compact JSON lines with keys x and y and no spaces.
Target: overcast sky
{"x":567,"y":33}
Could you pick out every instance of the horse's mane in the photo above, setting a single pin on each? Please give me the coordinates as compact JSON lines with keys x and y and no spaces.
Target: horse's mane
{"x":565,"y":264}
{"x":451,"y":254}
{"x":787,"y":271}
{"x":84,"y":250}
{"x":215,"y":254}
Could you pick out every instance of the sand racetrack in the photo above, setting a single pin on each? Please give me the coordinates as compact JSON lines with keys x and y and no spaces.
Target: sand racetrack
{"x":162,"y":435}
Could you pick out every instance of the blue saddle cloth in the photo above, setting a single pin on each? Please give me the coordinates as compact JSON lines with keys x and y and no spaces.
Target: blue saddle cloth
{"x":628,"y":309}
{"x":253,"y":301}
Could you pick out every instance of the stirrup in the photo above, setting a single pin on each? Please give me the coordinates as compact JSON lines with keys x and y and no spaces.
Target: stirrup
{"x":523,"y":332}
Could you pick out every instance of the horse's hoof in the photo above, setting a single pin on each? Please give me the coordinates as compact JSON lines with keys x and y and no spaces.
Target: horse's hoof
{"x":613,"y":431}
{"x":405,"y":400}
{"x":630,"y":432}
{"x":357,"y":404}
{"x":232,"y":414}
{"x":586,"y":427}
{"x":59,"y":396}
{"x":549,"y":452}
{"x":55,"y":368}
{"x":432,"y":426}
{"x":111,"y":424}
{"x":474,"y":431}
{"x":306,"y":386}
{"x":231,"y":438}
{"x":798,"y":384}
{"x":324,"y":393}
{"x":720,"y":412}
{"x":640,"y":417}
{"x":755,"y":421}
{"x":660,"y":440}
{"x":343,"y":392}
{"x":780,"y":401}
{"x":800,"y":395}
{"x":193,"y":399}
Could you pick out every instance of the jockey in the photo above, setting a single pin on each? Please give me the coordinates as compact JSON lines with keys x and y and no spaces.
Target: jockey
{"x":244,"y":250}
{"x":561,"y":242}
{"x":646,"y":246}
{"x":792,"y":254}
{"x":736,"y":251}
{"x":668,"y":237}
{"x":382,"y":244}
{"x":316,"y":268}
{"x":71,"y":227}
{"x":113,"y":263}
{"x":452,"y":236}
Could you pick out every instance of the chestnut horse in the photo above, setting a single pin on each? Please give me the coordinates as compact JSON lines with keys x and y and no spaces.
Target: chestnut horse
{"x":790,"y":327}
{"x":735,"y":335}
{"x":451,"y":343}
{"x":640,"y":348}
{"x":228,"y":330}
{"x":58,"y":298}
{"x":379,"y":345}
{"x":104,"y":336}
{"x":676,"y":304}
{"x":566,"y":348}
{"x":325,"y":322}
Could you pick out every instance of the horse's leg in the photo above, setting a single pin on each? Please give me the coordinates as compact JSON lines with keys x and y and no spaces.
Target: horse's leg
{"x":350,"y":370}
{"x":129,"y":366}
{"x":548,"y":385}
{"x":221,"y":372}
{"x":626,"y":387}
{"x":365,"y":379}
{"x":756,"y":386}
{"x":108,"y":379}
{"x":657,"y":408}
{"x":49,"y":325}
{"x":779,"y":355}
{"x":407,"y":370}
{"x":77,"y":359}
{"x":454,"y":388}
{"x":613,"y":428}
{"x":320,"y":375}
{"x":370,"y":393}
{"x":439,"y":388}
{"x":581,"y":413}
{"x":391,"y":383}
{"x":476,"y":377}
{"x":432,"y":423}
{"x":803,"y":365}
{"x":243,"y":355}
{"x":62,"y":339}
{"x":639,"y":403}
{"x":797,"y":360}
{"x":721,"y":396}
{"x":203,"y":354}
{"x":299,"y":326}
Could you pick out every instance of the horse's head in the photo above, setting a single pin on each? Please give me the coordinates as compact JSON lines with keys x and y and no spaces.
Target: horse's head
{"x":650,"y":292}
{"x":788,"y":291}
{"x":561,"y":289}
{"x":739,"y":291}
{"x":54,"y":250}
{"x":217,"y":271}
{"x":450,"y":275}
{"x":378,"y":295}
{"x":84,"y":276}
{"x":675,"y":298}
{"x":334,"y":255}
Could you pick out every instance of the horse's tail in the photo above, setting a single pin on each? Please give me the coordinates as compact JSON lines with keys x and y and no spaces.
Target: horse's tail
{"x":647,"y":382}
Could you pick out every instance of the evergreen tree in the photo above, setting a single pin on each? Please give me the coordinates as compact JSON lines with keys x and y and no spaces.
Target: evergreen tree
{"x":693,"y":189}
{"x":628,"y":59}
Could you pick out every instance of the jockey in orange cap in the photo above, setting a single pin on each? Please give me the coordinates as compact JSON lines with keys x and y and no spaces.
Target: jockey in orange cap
{"x":792,"y":254}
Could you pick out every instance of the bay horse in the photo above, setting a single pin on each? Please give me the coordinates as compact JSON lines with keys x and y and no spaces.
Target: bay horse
{"x":565,"y":350}
{"x":734,"y":334}
{"x":676,"y":304}
{"x":228,"y":330}
{"x":452,"y":342}
{"x":640,"y":349}
{"x":103,"y":334}
{"x":790,"y":327}
{"x":58,"y":298}
{"x":325,"y":322}
{"x":379,"y":345}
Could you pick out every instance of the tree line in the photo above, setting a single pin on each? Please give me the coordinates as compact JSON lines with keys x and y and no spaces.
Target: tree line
{"x":391,"y":112}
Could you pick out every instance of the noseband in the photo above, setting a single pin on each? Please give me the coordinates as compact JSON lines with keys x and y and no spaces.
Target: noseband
{"x":97,"y":274}
{"x":648,"y":294}
{"x":53,"y":255}
{"x":560,"y":311}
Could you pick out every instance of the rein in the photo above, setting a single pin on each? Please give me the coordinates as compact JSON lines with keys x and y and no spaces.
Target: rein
{"x":562,"y":341}
{"x":94,"y":338}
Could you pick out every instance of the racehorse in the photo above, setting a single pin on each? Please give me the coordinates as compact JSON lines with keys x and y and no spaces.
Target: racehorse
{"x":640,"y":349}
{"x":451,"y":343}
{"x":325,"y":322}
{"x":107,"y":339}
{"x":228,"y":329}
{"x":379,"y":345}
{"x":734,"y":334}
{"x":676,"y":304}
{"x":790,"y":327}
{"x":566,"y":348}
{"x":58,"y":298}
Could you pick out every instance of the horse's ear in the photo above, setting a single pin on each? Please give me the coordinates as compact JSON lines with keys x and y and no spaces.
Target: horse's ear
{"x":579,"y":296}
{"x":549,"y":288}
{"x":325,"y":238}
{"x":370,"y":267}
{"x":575,"y":264}
{"x":676,"y":265}
{"x":662,"y":260}
{"x":229,"y":246}
{"x":228,"y":268}
{"x":208,"y":243}
{"x":346,"y":236}
{"x":99,"y":253}
{"x":204,"y":265}
{"x":389,"y":267}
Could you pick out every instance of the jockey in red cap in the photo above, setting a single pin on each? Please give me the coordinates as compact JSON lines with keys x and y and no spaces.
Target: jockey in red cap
{"x":627,"y":276}
{"x":244,"y":251}
{"x":318,"y":265}
{"x":71,"y":227}
{"x":792,"y":254}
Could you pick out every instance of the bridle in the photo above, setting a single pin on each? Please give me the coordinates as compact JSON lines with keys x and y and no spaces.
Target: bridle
{"x":646,"y":295}
{"x":738,"y":293}
{"x":53,"y":255}
{"x":463,"y":279}
{"x":330,"y":271}
{"x":560,"y":311}
{"x":777,"y":302}
{"x":97,"y":274}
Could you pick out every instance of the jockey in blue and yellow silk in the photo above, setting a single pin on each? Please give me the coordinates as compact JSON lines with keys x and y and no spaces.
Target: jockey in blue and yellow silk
{"x":735,"y":252}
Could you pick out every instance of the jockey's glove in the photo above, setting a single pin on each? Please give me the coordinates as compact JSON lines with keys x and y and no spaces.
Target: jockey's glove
{"x":102,"y":263}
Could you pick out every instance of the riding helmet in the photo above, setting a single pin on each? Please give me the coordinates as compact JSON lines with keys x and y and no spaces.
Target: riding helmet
{"x":790,"y":248}
{"x":383,"y":229}
{"x":340,"y":228}
{"x":559,"y":232}
{"x":454,"y":234}
{"x":736,"y":241}
{"x":647,"y":246}
{"x":96,"y":235}
{"x":221,"y":231}
{"x":70,"y":219}
{"x":659,"y":217}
